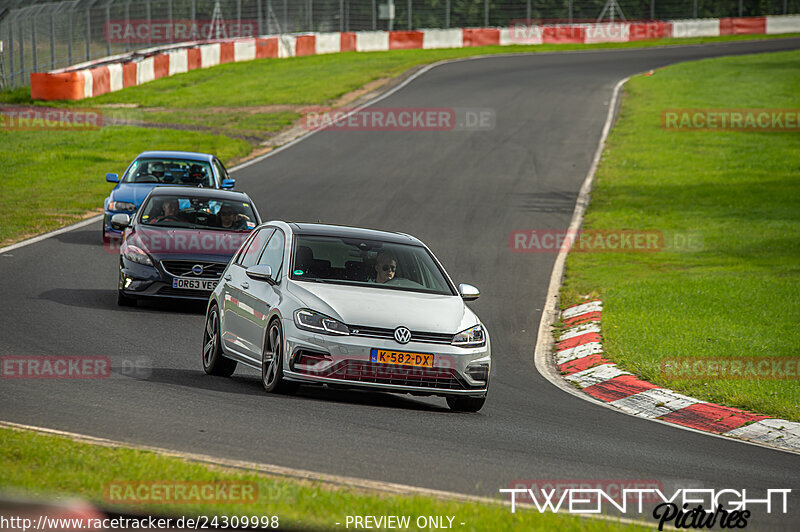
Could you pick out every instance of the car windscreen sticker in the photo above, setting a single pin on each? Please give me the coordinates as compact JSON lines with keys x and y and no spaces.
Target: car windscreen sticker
{"x":250,"y":225}
{"x":298,"y":272}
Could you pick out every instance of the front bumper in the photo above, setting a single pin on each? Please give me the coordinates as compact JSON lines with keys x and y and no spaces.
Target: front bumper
{"x":149,"y":282}
{"x":346,"y":361}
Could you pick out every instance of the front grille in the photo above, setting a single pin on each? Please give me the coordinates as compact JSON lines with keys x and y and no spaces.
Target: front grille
{"x":416,"y":336}
{"x":183,"y":268}
{"x":365,"y":371}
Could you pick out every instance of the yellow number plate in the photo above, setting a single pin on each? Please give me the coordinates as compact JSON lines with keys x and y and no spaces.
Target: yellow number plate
{"x":383,"y":356}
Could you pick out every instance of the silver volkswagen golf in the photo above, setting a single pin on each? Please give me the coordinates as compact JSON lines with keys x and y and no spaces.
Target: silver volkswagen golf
{"x":343,"y":306}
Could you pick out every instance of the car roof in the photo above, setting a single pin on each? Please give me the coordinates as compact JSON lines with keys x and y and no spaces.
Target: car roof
{"x":200,"y":192}
{"x":352,"y":232}
{"x":194,"y":156}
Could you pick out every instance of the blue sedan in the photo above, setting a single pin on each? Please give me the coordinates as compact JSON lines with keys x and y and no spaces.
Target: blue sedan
{"x":152,"y":169}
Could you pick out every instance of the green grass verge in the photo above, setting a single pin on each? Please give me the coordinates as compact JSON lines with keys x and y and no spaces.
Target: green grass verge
{"x":739,"y":295}
{"x":53,"y":178}
{"x":44,"y":465}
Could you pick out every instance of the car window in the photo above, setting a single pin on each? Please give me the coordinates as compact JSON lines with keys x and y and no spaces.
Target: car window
{"x":249,"y":255}
{"x":273,"y":253}
{"x":169,"y":171}
{"x":198,"y":212}
{"x":354,"y":261}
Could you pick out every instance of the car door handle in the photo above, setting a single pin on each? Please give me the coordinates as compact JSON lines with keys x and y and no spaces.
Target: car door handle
{"x":245,"y":284}
{"x":227,"y":277}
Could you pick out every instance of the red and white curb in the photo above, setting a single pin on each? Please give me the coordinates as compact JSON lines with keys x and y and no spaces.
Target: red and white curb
{"x":580,"y":360}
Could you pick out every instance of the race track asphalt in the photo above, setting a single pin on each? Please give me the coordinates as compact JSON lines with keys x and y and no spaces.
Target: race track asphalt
{"x":461,"y":192}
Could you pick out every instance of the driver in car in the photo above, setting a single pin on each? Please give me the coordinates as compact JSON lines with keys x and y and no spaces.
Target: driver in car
{"x":169,"y":211}
{"x":385,"y":267}
{"x":196,"y":174}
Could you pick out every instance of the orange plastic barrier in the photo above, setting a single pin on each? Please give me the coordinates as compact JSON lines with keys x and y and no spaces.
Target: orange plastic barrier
{"x":66,"y":86}
{"x":742,"y":26}
{"x":347,"y":41}
{"x":481,"y":37}
{"x":101,"y":80}
{"x":227,"y":53}
{"x":404,"y":40}
{"x":266,"y":47}
{"x":160,"y":66}
{"x":129,"y":71}
{"x":305,"y":45}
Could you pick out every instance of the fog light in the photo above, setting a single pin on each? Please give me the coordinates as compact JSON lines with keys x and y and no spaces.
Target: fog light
{"x":478,"y":372}
{"x":309,"y":358}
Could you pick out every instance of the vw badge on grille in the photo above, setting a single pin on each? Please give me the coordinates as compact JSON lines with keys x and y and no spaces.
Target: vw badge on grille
{"x":197,"y":269}
{"x":402,"y":335}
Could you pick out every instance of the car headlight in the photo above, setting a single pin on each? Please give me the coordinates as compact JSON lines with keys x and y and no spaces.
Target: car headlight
{"x":309,"y":320}
{"x":472,"y":337}
{"x":121,"y":206}
{"x":137,"y":254}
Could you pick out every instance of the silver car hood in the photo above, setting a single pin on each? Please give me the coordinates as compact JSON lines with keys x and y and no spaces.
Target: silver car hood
{"x":385,"y":308}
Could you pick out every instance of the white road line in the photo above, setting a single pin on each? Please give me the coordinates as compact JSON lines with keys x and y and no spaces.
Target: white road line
{"x":45,"y":236}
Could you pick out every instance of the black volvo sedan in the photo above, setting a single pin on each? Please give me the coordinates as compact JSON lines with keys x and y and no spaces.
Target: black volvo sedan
{"x":179,"y":242}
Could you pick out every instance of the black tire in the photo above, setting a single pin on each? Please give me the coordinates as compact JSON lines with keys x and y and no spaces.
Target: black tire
{"x":272,"y":362}
{"x":465,"y":404}
{"x":214,"y":362}
{"x":125,"y":301}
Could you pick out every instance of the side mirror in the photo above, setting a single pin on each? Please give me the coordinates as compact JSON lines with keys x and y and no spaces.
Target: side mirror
{"x":468,"y":292}
{"x":228,"y":183}
{"x":120,"y":221}
{"x":112,"y":178}
{"x":260,"y":272}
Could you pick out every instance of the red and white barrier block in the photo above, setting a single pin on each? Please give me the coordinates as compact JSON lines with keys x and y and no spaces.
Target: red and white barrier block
{"x":113,"y":74}
{"x":579,"y":358}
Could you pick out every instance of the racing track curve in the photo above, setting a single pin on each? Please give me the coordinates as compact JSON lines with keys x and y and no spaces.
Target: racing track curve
{"x":460,"y":192}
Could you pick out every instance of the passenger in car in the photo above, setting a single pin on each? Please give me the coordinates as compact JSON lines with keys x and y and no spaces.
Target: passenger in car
{"x":231,"y":220}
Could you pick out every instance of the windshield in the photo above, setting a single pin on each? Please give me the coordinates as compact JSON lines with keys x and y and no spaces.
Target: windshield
{"x":170,"y":171}
{"x":367,"y":263}
{"x":198,"y":213}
